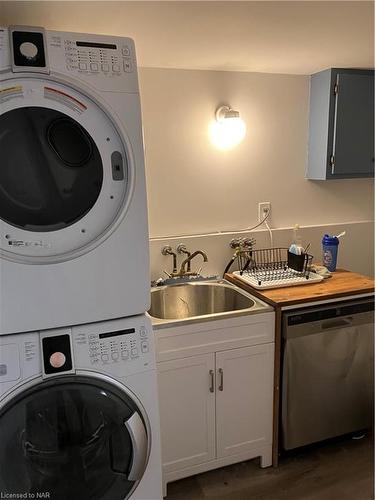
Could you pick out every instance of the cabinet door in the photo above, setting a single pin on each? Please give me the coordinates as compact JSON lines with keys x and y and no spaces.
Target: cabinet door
{"x":187,"y":411}
{"x":353,"y":141}
{"x":244,"y":399}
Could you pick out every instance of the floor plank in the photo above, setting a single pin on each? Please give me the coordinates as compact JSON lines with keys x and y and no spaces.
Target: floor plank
{"x":340,"y":470}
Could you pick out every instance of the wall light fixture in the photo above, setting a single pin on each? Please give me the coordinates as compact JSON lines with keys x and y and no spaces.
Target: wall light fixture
{"x":228,"y":129}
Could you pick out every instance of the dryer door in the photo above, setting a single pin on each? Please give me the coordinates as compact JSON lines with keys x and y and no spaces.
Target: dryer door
{"x":72,"y":437}
{"x":66,"y":171}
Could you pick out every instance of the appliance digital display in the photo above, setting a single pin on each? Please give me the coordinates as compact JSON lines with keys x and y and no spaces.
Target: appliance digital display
{"x":97,"y":45}
{"x":128,"y":331}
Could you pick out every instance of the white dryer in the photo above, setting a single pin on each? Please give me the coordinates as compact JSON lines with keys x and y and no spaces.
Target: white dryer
{"x":73,"y":209}
{"x":79,"y":413}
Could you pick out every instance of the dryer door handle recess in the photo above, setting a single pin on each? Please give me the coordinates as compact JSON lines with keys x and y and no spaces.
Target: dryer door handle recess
{"x":138,"y":438}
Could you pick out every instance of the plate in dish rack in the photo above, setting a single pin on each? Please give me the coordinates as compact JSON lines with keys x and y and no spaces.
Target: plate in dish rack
{"x":254,"y":280}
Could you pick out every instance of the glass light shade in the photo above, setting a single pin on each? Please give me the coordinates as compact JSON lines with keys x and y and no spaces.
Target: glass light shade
{"x":227,"y":133}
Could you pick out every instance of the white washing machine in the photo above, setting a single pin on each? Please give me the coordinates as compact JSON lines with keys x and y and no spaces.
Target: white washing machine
{"x":79,"y":413}
{"x":73,"y":209}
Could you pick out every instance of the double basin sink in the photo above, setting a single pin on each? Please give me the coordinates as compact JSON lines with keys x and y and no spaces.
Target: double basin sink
{"x":200,"y":301}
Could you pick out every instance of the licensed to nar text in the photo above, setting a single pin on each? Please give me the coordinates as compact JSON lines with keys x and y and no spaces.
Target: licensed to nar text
{"x":27,"y":495}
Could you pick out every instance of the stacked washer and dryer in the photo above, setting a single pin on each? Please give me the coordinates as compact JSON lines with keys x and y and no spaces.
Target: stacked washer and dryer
{"x":78,"y":394}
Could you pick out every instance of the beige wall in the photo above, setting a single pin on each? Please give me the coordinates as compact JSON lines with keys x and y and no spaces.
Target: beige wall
{"x":194,"y":188}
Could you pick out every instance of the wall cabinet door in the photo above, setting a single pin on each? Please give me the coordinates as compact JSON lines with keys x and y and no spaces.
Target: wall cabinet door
{"x":244,"y":399}
{"x":341,"y":124}
{"x":187,"y":411}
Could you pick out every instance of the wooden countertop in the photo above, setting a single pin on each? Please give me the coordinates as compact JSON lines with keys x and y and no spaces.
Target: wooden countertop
{"x":341,"y":284}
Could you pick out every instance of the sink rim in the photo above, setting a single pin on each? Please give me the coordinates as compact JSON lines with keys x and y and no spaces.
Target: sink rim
{"x":257,"y":307}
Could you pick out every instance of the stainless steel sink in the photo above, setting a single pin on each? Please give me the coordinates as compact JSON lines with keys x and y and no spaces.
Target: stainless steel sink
{"x":205,"y":300}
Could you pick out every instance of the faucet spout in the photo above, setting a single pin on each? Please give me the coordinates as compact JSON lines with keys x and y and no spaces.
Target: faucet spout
{"x":190,"y":258}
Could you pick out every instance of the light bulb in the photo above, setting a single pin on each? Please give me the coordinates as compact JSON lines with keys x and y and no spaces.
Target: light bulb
{"x":227,"y":132}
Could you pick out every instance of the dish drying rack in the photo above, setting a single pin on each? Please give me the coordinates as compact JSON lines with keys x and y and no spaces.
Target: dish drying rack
{"x":275,"y":268}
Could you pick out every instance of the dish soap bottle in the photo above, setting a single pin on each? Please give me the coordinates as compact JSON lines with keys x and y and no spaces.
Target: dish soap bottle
{"x":296,"y":247}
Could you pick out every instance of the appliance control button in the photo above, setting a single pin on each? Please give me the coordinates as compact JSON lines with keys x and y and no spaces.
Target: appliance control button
{"x":116,"y":67}
{"x":105,"y":67}
{"x":114,"y":356}
{"x":126,"y":51}
{"x":29,"y":50}
{"x":128,"y":66}
{"x":82,"y":66}
{"x":144,"y":346}
{"x":143,"y":332}
{"x":134,"y":352}
{"x":125,"y":354}
{"x":57,"y":359}
{"x":94,"y":66}
{"x":105,"y":358}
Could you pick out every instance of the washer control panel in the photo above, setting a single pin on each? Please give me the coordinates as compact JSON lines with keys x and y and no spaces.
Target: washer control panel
{"x":119,"y":346}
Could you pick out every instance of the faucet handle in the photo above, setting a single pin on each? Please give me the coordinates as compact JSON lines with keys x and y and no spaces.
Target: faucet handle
{"x":235,"y":243}
{"x":249,"y":242}
{"x":166,"y":250}
{"x":181,"y":248}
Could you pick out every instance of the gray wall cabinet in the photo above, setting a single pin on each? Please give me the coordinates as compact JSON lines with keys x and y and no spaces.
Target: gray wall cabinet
{"x":341,"y":125}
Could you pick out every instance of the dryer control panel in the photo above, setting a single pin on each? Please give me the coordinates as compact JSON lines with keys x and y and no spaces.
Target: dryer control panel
{"x":108,"y":59}
{"x":107,"y":63}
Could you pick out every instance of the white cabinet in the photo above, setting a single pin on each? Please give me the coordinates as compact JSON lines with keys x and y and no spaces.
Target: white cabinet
{"x":216,"y":397}
{"x":187,"y":411}
{"x":244,"y":396}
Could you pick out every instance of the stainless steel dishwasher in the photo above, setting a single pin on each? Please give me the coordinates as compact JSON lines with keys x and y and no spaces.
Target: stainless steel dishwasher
{"x":327,"y":371}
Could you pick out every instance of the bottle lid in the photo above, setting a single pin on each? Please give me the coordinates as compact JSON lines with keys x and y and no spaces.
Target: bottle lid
{"x":330,"y":240}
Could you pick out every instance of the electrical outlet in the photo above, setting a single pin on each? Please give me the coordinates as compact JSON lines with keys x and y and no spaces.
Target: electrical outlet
{"x":264,"y":208}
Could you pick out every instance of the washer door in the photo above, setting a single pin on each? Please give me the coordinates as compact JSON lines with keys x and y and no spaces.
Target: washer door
{"x":65,"y":172}
{"x":72,"y":437}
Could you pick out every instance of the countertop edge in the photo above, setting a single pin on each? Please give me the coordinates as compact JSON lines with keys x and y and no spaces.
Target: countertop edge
{"x":368,"y":288}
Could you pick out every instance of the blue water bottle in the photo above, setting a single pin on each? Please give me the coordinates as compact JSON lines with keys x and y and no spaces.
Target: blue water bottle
{"x":330,"y":247}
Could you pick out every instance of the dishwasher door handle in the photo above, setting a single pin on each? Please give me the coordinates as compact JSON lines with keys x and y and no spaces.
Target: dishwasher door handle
{"x":336,"y":323}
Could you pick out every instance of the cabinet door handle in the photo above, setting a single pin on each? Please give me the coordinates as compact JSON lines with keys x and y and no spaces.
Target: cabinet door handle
{"x":212,"y":384}
{"x":221,"y":383}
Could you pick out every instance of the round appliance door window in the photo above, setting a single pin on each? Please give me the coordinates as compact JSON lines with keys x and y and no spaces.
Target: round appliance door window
{"x":66,"y":175}
{"x":73,"y":437}
{"x":51,"y":169}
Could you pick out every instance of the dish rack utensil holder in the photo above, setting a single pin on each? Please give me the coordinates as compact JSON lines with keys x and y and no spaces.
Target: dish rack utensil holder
{"x":274,"y":267}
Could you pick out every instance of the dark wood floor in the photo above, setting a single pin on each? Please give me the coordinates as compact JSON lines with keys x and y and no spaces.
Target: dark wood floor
{"x":340,"y":470}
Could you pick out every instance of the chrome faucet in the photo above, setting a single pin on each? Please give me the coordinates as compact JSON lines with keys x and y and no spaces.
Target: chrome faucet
{"x":182,"y":271}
